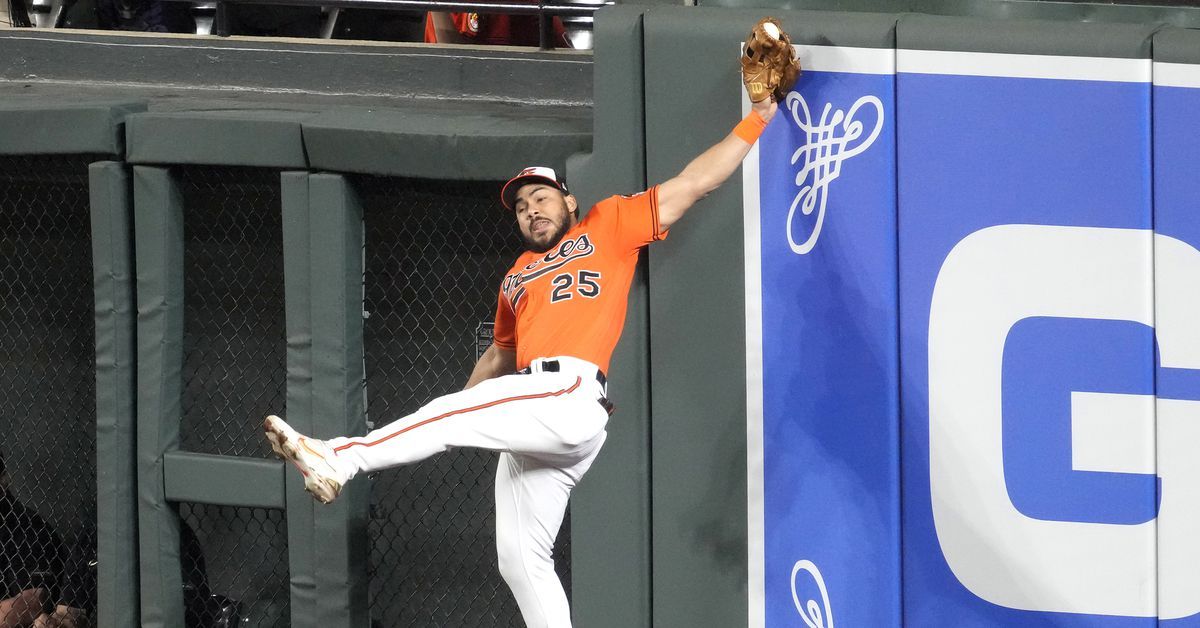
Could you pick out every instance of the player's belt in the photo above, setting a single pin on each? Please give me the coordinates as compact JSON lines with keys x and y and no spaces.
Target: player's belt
{"x":554,"y":366}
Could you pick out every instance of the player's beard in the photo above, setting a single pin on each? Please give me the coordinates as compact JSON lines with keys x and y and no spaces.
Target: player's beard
{"x":560,"y":229}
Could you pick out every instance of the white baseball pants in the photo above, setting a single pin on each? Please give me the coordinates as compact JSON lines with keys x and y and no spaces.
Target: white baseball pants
{"x":548,"y":426}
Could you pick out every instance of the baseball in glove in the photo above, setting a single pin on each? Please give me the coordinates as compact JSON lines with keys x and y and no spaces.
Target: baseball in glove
{"x":769,"y":65}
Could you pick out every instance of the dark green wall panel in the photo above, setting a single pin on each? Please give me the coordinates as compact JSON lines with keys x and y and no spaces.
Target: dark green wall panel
{"x":158,"y":224}
{"x":224,"y":480}
{"x":33,"y":126}
{"x":303,"y":559}
{"x":610,"y":509}
{"x":1034,"y":37}
{"x":116,"y":395}
{"x":249,"y":137}
{"x":335,"y":273}
{"x":697,"y":309}
{"x":1177,"y":45}
{"x":1096,"y":12}
{"x":484,"y":143}
{"x":697,"y":333}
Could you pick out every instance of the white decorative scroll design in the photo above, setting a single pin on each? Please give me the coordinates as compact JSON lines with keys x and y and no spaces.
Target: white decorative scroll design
{"x":816,"y":616}
{"x":830,"y":141}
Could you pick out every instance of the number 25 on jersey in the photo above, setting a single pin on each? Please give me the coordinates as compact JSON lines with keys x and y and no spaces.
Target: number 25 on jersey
{"x":583,"y":282}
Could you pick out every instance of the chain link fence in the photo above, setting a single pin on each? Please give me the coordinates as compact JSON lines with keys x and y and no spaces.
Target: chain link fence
{"x":435,"y":255}
{"x":234,"y":374}
{"x":47,"y":384}
{"x":234,"y":566}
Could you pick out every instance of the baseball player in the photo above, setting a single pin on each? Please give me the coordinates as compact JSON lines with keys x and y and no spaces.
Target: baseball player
{"x":538,"y":395}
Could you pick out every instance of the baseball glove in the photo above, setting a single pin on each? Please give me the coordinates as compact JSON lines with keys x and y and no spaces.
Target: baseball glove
{"x":769,"y":65}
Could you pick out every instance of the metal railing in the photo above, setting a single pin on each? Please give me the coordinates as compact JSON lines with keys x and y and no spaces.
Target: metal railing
{"x":53,"y":13}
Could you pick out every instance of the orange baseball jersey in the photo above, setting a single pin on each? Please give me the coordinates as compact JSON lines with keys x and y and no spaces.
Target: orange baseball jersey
{"x":571,"y":300}
{"x":498,"y":29}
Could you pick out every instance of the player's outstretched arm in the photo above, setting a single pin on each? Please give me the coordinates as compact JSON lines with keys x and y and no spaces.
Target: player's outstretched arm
{"x":494,"y":362}
{"x":708,"y":171}
{"x":769,"y":69}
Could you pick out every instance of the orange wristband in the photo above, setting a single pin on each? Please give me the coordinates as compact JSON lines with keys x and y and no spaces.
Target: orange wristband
{"x":750,"y":128}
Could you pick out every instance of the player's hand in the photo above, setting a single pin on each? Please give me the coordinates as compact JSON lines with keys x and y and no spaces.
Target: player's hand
{"x":62,"y":617}
{"x":765,"y":108}
{"x":769,"y":66}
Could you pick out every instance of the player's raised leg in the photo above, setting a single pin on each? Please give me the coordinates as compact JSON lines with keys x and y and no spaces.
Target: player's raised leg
{"x":548,"y":414}
{"x":545,"y":413}
{"x":323,"y":473}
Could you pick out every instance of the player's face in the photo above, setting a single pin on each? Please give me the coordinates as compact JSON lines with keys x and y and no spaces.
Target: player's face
{"x":544,"y":215}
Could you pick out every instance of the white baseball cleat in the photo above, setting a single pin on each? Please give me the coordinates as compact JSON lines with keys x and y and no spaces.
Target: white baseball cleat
{"x":323,"y":475}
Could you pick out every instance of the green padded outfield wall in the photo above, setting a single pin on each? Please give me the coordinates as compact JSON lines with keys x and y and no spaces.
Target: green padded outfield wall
{"x":196,"y":160}
{"x":297,"y":243}
{"x":39,"y":138}
{"x":116,"y":394}
{"x":335,"y":273}
{"x":698,"y":317}
{"x":86,"y":126}
{"x":324,"y":317}
{"x":258,"y":319}
{"x":1068,"y":11}
{"x":610,"y":509}
{"x":158,"y":225}
{"x":662,"y":533}
{"x":967,"y":358}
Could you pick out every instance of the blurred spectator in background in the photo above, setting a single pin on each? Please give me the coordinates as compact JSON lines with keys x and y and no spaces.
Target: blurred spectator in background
{"x":22,"y":609}
{"x":149,"y":16}
{"x":37,"y":591}
{"x":271,"y":20}
{"x":172,"y":16}
{"x":493,"y":29}
{"x":31,"y":568}
{"x":380,"y":25}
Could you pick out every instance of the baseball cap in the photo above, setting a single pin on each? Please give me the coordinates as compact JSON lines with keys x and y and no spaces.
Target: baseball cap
{"x":508,"y":194}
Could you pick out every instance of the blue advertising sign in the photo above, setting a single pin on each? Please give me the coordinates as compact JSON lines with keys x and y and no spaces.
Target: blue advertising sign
{"x":1177,"y":322}
{"x":822,"y":334}
{"x":1027,"y":332}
